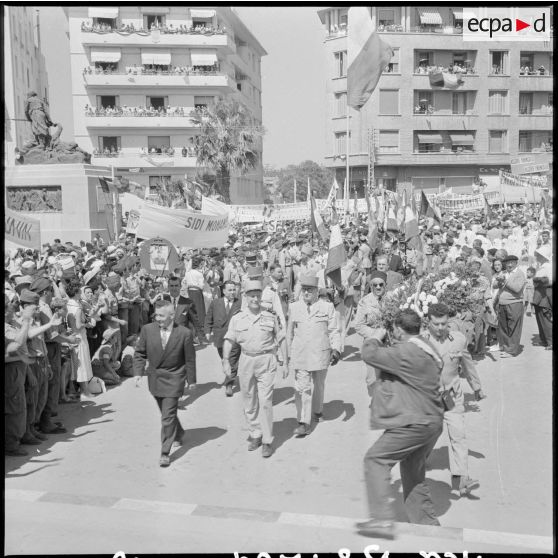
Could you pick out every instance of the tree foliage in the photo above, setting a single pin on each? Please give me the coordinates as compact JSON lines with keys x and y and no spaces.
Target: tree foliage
{"x":321,"y":179}
{"x":227,"y":141}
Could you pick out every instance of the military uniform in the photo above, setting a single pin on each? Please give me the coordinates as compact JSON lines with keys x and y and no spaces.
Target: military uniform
{"x":258,"y":336}
{"x":457,"y":363}
{"x":313,"y":333}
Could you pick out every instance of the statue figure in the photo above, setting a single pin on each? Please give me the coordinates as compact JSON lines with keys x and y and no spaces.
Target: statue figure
{"x":37,"y":114}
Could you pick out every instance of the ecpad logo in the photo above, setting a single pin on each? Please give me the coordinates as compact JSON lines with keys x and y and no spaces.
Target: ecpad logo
{"x":530,"y":23}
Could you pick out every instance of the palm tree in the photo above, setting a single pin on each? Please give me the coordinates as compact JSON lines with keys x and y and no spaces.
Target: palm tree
{"x":227,"y":141}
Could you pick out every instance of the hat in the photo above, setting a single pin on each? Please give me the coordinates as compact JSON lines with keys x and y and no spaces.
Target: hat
{"x":510,"y":258}
{"x":253,"y":285}
{"x":29,"y":297}
{"x":307,"y":250}
{"x":308,"y":281}
{"x":23,"y":280}
{"x":57,"y":302}
{"x":28,"y":266}
{"x":254,"y":271}
{"x":251,"y":257}
{"x":111,"y":249}
{"x":39,"y":285}
{"x":378,"y":275}
{"x":481,"y":231}
{"x":90,"y":274}
{"x":108,"y":333}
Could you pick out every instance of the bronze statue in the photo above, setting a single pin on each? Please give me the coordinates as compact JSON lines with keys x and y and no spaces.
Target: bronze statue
{"x":37,"y":114}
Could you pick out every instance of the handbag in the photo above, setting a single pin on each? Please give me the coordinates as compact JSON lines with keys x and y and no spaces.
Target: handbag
{"x":96,"y":386}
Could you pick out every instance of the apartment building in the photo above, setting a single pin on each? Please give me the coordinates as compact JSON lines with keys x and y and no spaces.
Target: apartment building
{"x":157,"y":64}
{"x":24,"y":71}
{"x":429,"y":136}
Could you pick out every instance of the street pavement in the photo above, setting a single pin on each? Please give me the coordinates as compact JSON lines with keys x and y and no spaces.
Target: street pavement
{"x":99,"y":488}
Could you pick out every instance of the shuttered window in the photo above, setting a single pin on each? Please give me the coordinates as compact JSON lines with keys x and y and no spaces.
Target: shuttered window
{"x":497,"y":102}
{"x":341,"y":104}
{"x":388,"y":141}
{"x":389,"y":101}
{"x":497,"y":141}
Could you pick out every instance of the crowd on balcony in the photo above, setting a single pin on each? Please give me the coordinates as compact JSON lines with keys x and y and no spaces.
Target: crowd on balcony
{"x":108,"y":68}
{"x":124,"y":110}
{"x":528,"y":71}
{"x":456,"y":68}
{"x":206,"y":29}
{"x":390,"y":28}
{"x":162,"y":150}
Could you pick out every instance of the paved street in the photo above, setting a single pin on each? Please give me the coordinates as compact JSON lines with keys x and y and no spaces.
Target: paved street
{"x":100,"y":489}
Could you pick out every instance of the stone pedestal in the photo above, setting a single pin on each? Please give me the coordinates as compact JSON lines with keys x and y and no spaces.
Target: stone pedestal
{"x":83,"y":211}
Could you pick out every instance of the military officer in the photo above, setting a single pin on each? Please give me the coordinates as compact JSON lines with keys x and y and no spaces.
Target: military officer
{"x":313,"y":343}
{"x":307,"y":266}
{"x":261,"y":339}
{"x":452,"y":347}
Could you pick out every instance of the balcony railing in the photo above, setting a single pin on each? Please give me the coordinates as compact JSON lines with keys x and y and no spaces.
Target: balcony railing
{"x":541,"y":111}
{"x":126,"y":30}
{"x":539,"y":72}
{"x":142,"y":71}
{"x":431,"y":111}
{"x":144,"y":112}
{"x":445,"y":151}
{"x":144,"y":154}
{"x":425,"y":70}
{"x":443,"y":30}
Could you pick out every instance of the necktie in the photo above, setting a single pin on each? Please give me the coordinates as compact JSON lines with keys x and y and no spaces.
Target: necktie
{"x":165,"y":337}
{"x":174,"y":302}
{"x":308,"y":308}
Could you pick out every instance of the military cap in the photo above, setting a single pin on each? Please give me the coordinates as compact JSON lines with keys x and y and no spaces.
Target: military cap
{"x":23,"y":280}
{"x":29,"y":297}
{"x":253,"y":285}
{"x":308,"y":281}
{"x":39,"y":285}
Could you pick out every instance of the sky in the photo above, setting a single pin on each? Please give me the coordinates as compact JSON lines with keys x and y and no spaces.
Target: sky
{"x":293,"y":78}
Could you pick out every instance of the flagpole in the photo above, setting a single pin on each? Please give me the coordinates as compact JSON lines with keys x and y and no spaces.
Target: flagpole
{"x":347,"y":166}
{"x":114,"y":205}
{"x":294,"y":180}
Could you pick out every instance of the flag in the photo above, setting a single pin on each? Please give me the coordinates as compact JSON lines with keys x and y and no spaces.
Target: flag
{"x":543,"y":216}
{"x":412,"y":232}
{"x":368,"y":55}
{"x":391,"y":218}
{"x":401,"y":211}
{"x":316,"y":221}
{"x":107,"y":185}
{"x":428,"y":210}
{"x":372,"y":228}
{"x":332,"y":196}
{"x":486,"y":209}
{"x":381,"y":212}
{"x":336,"y":257}
{"x":445,"y":80}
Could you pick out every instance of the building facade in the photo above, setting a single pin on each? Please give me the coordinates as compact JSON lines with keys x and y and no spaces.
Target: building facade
{"x":157,"y":64}
{"x":430,"y":136}
{"x":24,"y":71}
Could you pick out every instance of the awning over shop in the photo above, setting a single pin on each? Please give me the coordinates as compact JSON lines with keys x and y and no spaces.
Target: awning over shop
{"x":105,"y":55}
{"x":154,"y":10}
{"x":202,"y":14}
{"x":430,"y":138}
{"x":203,"y":58}
{"x":462,"y":139}
{"x":430,"y":16}
{"x":104,"y":12}
{"x":155,"y":57}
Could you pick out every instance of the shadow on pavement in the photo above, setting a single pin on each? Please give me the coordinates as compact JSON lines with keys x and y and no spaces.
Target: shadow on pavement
{"x":351,"y":354}
{"x":439,"y":458}
{"x":441,"y":496}
{"x":282,"y":431}
{"x":72,"y":416}
{"x":195,"y":437}
{"x":201,"y":389}
{"x":536,"y":340}
{"x":282,"y":394}
{"x":334,"y":409}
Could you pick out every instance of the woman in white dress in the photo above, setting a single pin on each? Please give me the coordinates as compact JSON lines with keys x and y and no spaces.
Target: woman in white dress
{"x":77,"y":322}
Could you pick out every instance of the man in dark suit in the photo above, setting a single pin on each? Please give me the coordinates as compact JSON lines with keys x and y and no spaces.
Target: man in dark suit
{"x":395,"y":263}
{"x":169,"y":350}
{"x":217,"y":319}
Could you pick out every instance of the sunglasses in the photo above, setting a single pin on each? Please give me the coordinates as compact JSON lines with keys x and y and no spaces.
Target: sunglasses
{"x":378,"y":284}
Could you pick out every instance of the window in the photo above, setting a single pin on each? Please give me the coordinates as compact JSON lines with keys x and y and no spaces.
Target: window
{"x":106,"y":101}
{"x":389,"y":101}
{"x":530,"y":141}
{"x":525,"y":103}
{"x":386,"y":17}
{"x":459,"y":103}
{"x":340,"y":143}
{"x":155,"y":144}
{"x":526,"y":62}
{"x":343,"y":17}
{"x":393,"y":65}
{"x":497,"y":102}
{"x":157,"y":102}
{"x":201,"y":22}
{"x":341,"y":104}
{"x":497,"y":141}
{"x":459,"y":58}
{"x":154,"y":21}
{"x":239,"y":86}
{"x":341,"y":63}
{"x":550,"y":100}
{"x":388,"y":141}
{"x":425,"y":58}
{"x":499,"y":62}
{"x":105,"y":21}
{"x":112,"y":143}
{"x":157,"y":182}
{"x":424,"y":102}
{"x":201,"y":101}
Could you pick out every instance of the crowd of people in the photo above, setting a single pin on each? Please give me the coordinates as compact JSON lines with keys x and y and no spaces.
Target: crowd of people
{"x":145,"y":111}
{"x":75,"y":317}
{"x":109,"y":68}
{"x":198,"y":29}
{"x":455,"y":68}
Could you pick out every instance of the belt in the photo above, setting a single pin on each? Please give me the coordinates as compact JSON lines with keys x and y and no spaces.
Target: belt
{"x":194,"y":289}
{"x":247,"y":353}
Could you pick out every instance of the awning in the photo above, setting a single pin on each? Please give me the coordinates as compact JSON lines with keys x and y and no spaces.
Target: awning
{"x":460,"y":14}
{"x":154,"y":10}
{"x":105,"y":55}
{"x":462,"y":139}
{"x":155,"y":57}
{"x":430,"y":16}
{"x":430,"y":138}
{"x":104,"y":12}
{"x":203,"y":58}
{"x":202,"y":14}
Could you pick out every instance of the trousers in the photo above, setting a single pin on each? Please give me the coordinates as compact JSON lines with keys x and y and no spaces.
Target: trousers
{"x":171,"y":428}
{"x":15,"y":407}
{"x":256,"y":376}
{"x":309,"y":393}
{"x":234,"y":357}
{"x":53,"y":386}
{"x":454,"y":421}
{"x":544,"y":324}
{"x":510,"y":324}
{"x":409,"y":446}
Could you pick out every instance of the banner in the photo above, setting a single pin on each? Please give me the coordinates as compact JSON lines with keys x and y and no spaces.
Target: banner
{"x":214,"y":207}
{"x":158,"y":256}
{"x":183,"y":227}
{"x":22,"y":230}
{"x":509,"y":179}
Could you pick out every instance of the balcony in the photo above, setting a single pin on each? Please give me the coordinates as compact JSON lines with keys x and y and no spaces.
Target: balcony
{"x":132,"y":158}
{"x":151,"y":122}
{"x":422,"y":81}
{"x":445,"y":120}
{"x":438,"y":30}
{"x":121,"y":79}
{"x":150,"y":38}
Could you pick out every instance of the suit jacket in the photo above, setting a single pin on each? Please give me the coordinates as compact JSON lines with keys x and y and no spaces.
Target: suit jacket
{"x":184,"y":317}
{"x":395,"y":263}
{"x":217,"y":319}
{"x":408,"y":388}
{"x":167,"y":368}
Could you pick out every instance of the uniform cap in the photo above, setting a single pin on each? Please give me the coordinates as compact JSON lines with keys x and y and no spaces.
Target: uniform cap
{"x":253,"y":285}
{"x":307,"y":250}
{"x":308,"y":281}
{"x":378,"y":275}
{"x":510,"y":258}
{"x":29,"y":297}
{"x":23,"y":280}
{"x":254,"y":271}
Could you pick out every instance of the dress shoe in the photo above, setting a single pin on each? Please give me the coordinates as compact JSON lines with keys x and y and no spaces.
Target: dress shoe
{"x":164,"y":461}
{"x":318,"y":417}
{"x":39,"y":435}
{"x":376,"y":528}
{"x":229,"y":390}
{"x":301,"y":430}
{"x":29,"y":440}
{"x":54,"y":430}
{"x":192,"y":387}
{"x":466,"y":485}
{"x":267,"y":450}
{"x":18,"y":452}
{"x":254,"y":443}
